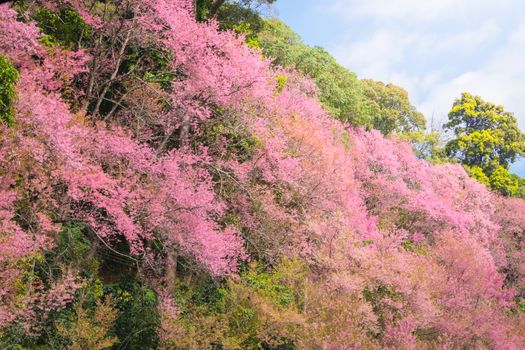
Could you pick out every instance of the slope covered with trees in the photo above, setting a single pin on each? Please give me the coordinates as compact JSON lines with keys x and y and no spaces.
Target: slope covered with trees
{"x":164,"y":185}
{"x":487,"y":141}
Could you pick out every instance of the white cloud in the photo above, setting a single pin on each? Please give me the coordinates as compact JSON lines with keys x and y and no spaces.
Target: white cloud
{"x":418,"y":10}
{"x":437,"y":49}
{"x":500,"y":79}
{"x":376,"y":54}
{"x":471,"y":39}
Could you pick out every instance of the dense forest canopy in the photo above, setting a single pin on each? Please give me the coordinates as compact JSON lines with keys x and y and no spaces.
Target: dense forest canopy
{"x":179,"y":174}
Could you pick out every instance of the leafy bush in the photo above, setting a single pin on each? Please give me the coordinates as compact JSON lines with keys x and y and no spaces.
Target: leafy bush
{"x":8,"y":79}
{"x":63,"y":27}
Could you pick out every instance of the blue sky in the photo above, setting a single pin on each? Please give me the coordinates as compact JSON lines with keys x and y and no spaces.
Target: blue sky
{"x":435,"y":49}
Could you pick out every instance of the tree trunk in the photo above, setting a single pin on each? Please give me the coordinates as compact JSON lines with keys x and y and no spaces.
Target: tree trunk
{"x":215,"y":7}
{"x":171,"y":271}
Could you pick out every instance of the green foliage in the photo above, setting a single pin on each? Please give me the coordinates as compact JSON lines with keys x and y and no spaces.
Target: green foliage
{"x":521,"y":186}
{"x":250,"y":34}
{"x":64,"y":27}
{"x":157,"y":66}
{"x":124,"y":314}
{"x":241,"y":19}
{"x":486,"y":137}
{"x":520,"y":305}
{"x":412,"y":246}
{"x":390,"y":108}
{"x":256,"y":311}
{"x":90,"y":328}
{"x":238,"y":143}
{"x":230,"y":13}
{"x":502,"y":181}
{"x":269,"y":284}
{"x":281,"y":83}
{"x":340,"y":91}
{"x":138,"y":318}
{"x":74,"y":248}
{"x":73,"y":251}
{"x":427,"y":145}
{"x":8,"y":79}
{"x":477,"y":173}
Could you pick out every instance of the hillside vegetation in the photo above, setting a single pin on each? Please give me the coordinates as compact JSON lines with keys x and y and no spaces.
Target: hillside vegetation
{"x":173,"y":178}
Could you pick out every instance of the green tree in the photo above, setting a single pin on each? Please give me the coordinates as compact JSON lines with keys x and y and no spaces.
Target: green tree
{"x":390,"y":109}
{"x":487,"y":138}
{"x":427,"y":145}
{"x":477,"y":173}
{"x":521,"y":186}
{"x":206,"y":9}
{"x":8,"y":79}
{"x":502,"y":181}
